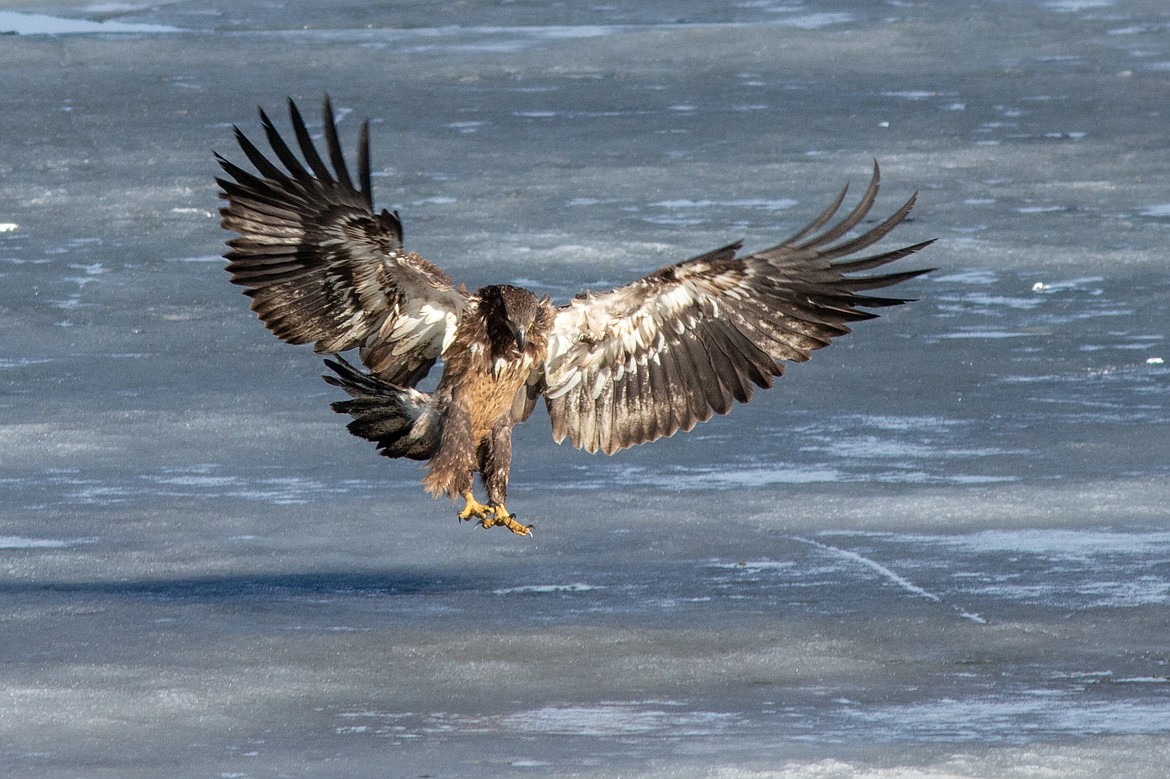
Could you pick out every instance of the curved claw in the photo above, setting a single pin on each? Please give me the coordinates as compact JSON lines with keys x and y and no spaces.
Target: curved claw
{"x":491,"y":515}
{"x":500,"y":516}
{"x":475,"y":510}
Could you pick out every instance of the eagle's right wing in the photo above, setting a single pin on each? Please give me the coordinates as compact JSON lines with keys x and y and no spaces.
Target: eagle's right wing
{"x":322,"y":267}
{"x":662,"y":354}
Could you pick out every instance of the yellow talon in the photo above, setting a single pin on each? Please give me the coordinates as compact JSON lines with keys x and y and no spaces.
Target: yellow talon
{"x":475,"y":510}
{"x":502,"y":517}
{"x":492,"y":515}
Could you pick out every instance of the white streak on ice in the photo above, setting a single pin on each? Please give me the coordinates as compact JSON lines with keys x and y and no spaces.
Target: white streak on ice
{"x":911,"y":94}
{"x":977,"y":719}
{"x":196,"y":211}
{"x":969,"y":276}
{"x":902,"y":582}
{"x":816,"y":21}
{"x":1072,"y":6}
{"x":984,"y":334}
{"x":547,"y":588}
{"x":894,"y":577}
{"x":755,"y":565}
{"x":770,"y":205}
{"x":43,"y":24}
{"x":209,"y":258}
{"x":616,"y":719}
{"x":22,"y":362}
{"x":756,"y":477}
{"x":1041,"y":209}
{"x":606,"y":719}
{"x":1056,"y":544}
{"x":19,"y":542}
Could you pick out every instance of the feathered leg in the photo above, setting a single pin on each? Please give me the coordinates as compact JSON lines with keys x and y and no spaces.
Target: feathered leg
{"x":453,"y":465}
{"x":495,"y":461}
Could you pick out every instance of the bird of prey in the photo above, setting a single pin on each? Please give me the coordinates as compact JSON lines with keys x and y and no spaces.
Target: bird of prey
{"x":618,"y":368}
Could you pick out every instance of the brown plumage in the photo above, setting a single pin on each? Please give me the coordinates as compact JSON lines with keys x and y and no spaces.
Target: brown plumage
{"x":616,"y":369}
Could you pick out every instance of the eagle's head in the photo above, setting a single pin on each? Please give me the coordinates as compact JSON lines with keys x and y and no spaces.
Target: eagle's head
{"x":509,"y":313}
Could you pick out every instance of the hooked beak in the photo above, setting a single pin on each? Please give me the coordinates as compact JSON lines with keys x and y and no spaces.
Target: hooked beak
{"x":519,"y":333}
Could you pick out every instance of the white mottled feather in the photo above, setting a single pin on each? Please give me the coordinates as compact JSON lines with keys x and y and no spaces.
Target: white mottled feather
{"x":620,"y":368}
{"x":667,"y":351}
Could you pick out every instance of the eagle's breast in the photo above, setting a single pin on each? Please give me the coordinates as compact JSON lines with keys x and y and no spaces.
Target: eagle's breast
{"x":490,"y":386}
{"x":484,"y":374}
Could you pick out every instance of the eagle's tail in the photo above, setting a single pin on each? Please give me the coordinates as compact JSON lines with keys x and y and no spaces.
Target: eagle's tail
{"x":399,"y":420}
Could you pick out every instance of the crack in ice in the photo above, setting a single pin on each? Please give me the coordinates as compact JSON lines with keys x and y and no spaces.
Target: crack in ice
{"x":889,"y":574}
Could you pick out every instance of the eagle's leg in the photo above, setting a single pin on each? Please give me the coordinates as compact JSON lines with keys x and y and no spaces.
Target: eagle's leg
{"x":502,"y":517}
{"x":452,"y":469}
{"x":475,"y":510}
{"x":495,"y":461}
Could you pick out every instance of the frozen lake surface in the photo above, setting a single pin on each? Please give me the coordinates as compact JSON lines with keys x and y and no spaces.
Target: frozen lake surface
{"x":939,"y":549}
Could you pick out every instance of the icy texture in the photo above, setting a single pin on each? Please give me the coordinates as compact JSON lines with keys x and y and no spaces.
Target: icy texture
{"x":939,"y":549}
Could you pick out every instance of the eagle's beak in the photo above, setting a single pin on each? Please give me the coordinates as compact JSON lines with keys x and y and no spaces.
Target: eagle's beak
{"x":519,"y":332}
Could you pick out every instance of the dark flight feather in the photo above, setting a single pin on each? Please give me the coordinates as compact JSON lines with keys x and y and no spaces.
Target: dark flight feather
{"x":632,"y":365}
{"x":321,"y":266}
{"x":714,"y":327}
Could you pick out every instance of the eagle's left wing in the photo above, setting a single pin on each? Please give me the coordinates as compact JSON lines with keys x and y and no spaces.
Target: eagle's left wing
{"x":663,"y":353}
{"x":322,"y":267}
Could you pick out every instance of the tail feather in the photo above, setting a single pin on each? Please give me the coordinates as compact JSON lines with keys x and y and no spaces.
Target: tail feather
{"x":399,"y":420}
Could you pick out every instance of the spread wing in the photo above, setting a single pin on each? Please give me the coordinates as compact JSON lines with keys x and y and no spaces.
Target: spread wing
{"x":322,"y":267}
{"x":663,"y":353}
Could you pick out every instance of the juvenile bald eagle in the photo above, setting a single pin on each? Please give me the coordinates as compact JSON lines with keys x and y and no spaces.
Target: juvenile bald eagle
{"x":616,"y":369}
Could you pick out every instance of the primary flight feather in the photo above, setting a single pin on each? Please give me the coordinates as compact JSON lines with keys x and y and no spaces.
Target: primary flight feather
{"x":616,"y":369}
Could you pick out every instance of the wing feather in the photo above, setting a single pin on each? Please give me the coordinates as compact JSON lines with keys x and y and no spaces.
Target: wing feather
{"x":284,"y":153}
{"x":821,"y":220}
{"x":321,"y":266}
{"x":673,"y":348}
{"x":363,"y":166}
{"x":334,"y":146}
{"x":682,"y":399}
{"x":709,"y":373}
{"x":305,"y":143}
{"x":850,"y":221}
{"x":256,"y":157}
{"x":701,"y":396}
{"x":659,"y":400}
{"x":606,"y":405}
{"x":872,"y":236}
{"x":877,"y":260}
{"x":647,"y":415}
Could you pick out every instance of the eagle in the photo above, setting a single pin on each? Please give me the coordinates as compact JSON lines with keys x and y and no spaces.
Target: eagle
{"x":628,"y":366}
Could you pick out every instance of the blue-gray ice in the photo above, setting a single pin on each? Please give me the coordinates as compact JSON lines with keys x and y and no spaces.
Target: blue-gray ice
{"x":939,"y":549}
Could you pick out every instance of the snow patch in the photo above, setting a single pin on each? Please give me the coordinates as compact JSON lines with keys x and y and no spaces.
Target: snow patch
{"x":43,"y":24}
{"x":19,"y":542}
{"x":545,"y":589}
{"x":816,"y":21}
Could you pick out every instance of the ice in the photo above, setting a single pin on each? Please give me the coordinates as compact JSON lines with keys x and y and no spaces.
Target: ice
{"x":16,"y":542}
{"x":546,"y":588}
{"x":938,"y":549}
{"x":987,"y":334}
{"x":1072,"y":6}
{"x":769,"y":205}
{"x":43,"y":24}
{"x":1041,"y":209}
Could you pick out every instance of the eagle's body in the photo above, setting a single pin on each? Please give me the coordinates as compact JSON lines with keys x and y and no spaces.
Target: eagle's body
{"x":487,"y":368}
{"x":616,"y":369}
